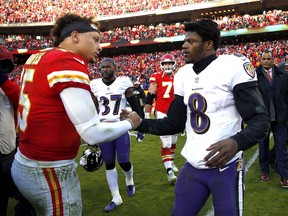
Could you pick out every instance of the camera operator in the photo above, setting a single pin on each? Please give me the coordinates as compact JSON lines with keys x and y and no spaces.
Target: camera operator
{"x":9,"y":96}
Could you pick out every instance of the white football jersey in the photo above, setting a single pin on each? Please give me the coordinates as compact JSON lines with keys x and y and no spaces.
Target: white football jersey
{"x":111,"y":99}
{"x":211,"y":112}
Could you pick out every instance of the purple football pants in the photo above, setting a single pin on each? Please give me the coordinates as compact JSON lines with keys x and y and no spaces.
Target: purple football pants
{"x":119,"y":146}
{"x":194,"y":186}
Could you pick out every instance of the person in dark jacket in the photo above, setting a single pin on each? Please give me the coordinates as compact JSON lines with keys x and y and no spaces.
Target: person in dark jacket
{"x":273,"y":86}
{"x":284,"y":66}
{"x":140,"y":94}
{"x":9,"y":95}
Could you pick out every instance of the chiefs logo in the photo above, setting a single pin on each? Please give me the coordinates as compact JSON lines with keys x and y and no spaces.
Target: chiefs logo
{"x":249,"y":69}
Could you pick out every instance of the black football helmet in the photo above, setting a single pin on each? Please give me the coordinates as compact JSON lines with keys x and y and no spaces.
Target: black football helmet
{"x":91,"y":158}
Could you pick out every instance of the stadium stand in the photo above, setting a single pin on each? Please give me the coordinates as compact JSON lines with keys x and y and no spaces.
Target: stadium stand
{"x":136,"y":33}
{"x":28,"y":11}
{"x":143,"y":32}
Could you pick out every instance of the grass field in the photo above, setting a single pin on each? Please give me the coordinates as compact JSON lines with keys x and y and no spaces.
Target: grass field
{"x":154,"y":197}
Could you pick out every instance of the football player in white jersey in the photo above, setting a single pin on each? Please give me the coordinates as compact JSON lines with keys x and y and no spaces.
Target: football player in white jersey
{"x":213,"y":95}
{"x":112,"y":95}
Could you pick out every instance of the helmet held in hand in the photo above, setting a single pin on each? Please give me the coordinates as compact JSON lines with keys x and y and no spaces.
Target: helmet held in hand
{"x":91,"y":158}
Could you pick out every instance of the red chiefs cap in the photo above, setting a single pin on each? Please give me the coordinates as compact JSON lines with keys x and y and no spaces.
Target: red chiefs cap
{"x":4,"y":53}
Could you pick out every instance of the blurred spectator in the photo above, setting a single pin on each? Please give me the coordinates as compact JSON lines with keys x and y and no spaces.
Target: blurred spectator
{"x":9,"y":95}
{"x":144,"y":64}
{"x":29,"y":11}
{"x":141,"y":32}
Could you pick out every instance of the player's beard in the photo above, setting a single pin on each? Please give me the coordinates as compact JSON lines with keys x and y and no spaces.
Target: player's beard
{"x":197,"y":55}
{"x":108,"y":76}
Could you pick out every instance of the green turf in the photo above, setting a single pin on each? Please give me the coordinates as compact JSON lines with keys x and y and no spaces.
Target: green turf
{"x":154,"y":197}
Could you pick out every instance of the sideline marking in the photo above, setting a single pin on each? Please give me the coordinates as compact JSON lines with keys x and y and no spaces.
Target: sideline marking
{"x":248,"y":165}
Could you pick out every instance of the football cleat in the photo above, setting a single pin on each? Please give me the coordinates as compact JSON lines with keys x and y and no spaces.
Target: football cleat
{"x":171,"y":177}
{"x":140,"y":137}
{"x":183,"y":133}
{"x":174,"y":167}
{"x":131,"y":190}
{"x":91,"y":159}
{"x":112,"y":205}
{"x":284,"y":182}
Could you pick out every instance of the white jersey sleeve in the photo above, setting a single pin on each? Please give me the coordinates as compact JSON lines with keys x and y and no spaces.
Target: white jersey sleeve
{"x":82,"y":113}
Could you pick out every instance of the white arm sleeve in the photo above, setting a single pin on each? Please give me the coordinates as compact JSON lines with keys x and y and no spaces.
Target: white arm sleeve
{"x":82,"y":113}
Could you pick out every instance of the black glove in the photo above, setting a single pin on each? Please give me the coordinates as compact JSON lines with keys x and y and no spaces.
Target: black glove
{"x":6,"y":66}
{"x":3,"y":77}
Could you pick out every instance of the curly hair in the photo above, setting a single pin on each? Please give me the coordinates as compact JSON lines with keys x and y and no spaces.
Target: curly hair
{"x":67,"y":19}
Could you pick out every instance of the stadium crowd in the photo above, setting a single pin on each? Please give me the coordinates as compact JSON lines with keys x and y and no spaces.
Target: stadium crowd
{"x":29,"y":11}
{"x":142,"y":32}
{"x":144,"y":64}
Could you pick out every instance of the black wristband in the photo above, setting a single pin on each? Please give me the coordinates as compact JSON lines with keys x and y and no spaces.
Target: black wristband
{"x":150,"y":97}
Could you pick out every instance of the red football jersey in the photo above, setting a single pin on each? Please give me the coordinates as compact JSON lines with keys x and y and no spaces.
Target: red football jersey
{"x":45,"y":130}
{"x":165,"y":90}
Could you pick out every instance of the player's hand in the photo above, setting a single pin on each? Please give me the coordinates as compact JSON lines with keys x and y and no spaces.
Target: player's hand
{"x":221,"y":152}
{"x":132,"y":117}
{"x":124,"y":114}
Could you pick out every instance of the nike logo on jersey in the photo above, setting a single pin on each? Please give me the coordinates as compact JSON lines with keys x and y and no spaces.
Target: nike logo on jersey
{"x":81,"y":61}
{"x":223,"y":169}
